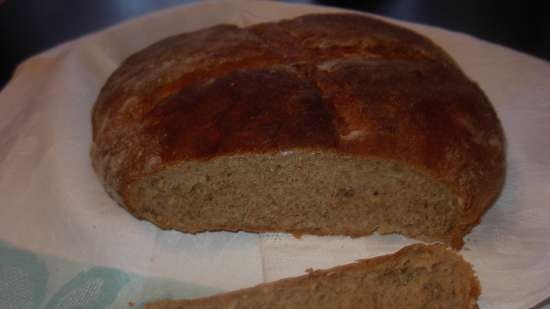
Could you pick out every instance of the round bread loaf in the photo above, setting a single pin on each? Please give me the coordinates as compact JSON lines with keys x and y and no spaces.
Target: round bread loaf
{"x":329,"y":124}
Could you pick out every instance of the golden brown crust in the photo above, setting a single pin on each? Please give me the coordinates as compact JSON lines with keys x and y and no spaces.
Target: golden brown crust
{"x":226,"y":116}
{"x":338,"y":82}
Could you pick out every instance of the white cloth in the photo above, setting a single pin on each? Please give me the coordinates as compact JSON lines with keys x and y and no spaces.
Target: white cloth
{"x":53,"y":204}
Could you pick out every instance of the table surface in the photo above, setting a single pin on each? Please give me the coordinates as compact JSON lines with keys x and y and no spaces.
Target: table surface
{"x":28,"y":27}
{"x":31,"y":26}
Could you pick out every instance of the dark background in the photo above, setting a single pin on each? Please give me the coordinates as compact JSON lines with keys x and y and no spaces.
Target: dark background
{"x":30,"y":26}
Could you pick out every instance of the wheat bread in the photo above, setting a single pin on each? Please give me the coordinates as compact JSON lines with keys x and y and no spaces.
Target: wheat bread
{"x":329,"y":124}
{"x":418,"y":276}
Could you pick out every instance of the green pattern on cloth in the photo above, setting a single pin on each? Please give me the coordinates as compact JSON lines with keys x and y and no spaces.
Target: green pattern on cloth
{"x":30,"y":280}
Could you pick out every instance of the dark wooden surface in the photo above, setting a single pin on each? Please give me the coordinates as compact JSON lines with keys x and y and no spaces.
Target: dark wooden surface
{"x":30,"y":26}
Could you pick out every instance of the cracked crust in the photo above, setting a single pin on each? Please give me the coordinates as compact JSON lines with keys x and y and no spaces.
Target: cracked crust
{"x":338,"y":82}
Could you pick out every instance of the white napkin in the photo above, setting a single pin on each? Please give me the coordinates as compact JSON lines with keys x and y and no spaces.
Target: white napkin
{"x":55,"y":214}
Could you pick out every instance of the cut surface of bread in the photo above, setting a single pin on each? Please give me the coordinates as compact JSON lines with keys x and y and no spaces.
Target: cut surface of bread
{"x":324,"y":124}
{"x":299,"y":192}
{"x":417,"y":276}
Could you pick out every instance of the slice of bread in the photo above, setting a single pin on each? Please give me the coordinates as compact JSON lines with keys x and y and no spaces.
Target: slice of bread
{"x":418,"y":276}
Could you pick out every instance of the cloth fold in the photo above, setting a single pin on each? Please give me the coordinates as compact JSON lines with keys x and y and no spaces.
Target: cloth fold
{"x":55,"y":213}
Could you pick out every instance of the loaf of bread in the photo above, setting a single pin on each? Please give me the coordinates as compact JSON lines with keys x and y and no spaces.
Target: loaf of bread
{"x":330,"y":124}
{"x":417,"y":276}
